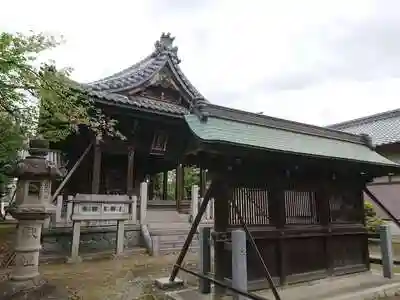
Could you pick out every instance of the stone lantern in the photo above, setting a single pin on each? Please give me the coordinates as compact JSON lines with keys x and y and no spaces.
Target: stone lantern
{"x":31,"y":207}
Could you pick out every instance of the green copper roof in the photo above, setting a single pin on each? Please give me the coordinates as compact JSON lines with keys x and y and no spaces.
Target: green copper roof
{"x":229,"y":131}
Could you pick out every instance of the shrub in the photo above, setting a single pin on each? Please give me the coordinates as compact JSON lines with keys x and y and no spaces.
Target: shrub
{"x":372,"y":221}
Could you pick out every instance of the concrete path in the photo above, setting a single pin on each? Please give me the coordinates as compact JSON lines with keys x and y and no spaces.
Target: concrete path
{"x":353,"y":287}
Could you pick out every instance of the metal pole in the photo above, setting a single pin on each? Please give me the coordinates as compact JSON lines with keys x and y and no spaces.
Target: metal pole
{"x":222,"y":284}
{"x":191,"y":233}
{"x":66,"y":179}
{"x":253,"y":244}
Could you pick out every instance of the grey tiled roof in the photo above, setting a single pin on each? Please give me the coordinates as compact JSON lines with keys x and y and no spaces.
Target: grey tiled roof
{"x":143,"y":71}
{"x":140,"y":102}
{"x":383,"y":128}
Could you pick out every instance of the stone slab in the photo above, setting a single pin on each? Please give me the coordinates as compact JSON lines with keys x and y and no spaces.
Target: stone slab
{"x":164,"y":283}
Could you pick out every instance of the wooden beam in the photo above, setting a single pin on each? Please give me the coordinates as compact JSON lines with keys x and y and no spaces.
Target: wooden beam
{"x":96,"y":168}
{"x":382,"y":206}
{"x":130,"y":172}
{"x":71,"y":172}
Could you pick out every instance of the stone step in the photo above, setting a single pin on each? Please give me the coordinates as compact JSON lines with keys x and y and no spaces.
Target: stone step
{"x":176,"y":251}
{"x":173,"y":237}
{"x":177,"y":246}
{"x":176,"y":243}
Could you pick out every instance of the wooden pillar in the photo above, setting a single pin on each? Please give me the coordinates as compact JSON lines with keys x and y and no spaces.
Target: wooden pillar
{"x":322,"y":201}
{"x":178,"y":186}
{"x":203,"y":182}
{"x":130,"y":185}
{"x":277,"y":196}
{"x":221,"y":223}
{"x":165,"y":185}
{"x":183,"y":191}
{"x":96,"y":167}
{"x":152,"y":187}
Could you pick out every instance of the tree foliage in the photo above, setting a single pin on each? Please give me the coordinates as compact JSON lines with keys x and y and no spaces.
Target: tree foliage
{"x":28,"y":87}
{"x":37,"y":98}
{"x":372,"y":221}
{"x":10,"y":142}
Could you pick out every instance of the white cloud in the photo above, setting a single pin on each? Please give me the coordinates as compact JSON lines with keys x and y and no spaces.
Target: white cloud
{"x":300,"y":60}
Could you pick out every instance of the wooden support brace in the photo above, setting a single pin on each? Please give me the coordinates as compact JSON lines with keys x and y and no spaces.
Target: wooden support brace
{"x":71,"y":172}
{"x":383,"y":207}
{"x":192,"y":232}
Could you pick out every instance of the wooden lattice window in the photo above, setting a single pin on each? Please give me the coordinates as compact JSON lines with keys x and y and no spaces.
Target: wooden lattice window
{"x":252,"y":204}
{"x":159,"y":144}
{"x":300,"y":207}
{"x":346,"y":207}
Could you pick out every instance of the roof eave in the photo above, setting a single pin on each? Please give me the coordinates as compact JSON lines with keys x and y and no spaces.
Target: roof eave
{"x":272,"y":122}
{"x":383,"y":169}
{"x":141,"y":109}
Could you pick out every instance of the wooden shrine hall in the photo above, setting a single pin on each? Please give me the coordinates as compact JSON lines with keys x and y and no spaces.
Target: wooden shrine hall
{"x":149,"y":101}
{"x":297,"y":187}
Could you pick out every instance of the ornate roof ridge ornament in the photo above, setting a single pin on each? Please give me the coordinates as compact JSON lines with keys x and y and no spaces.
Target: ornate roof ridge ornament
{"x":165,"y":44}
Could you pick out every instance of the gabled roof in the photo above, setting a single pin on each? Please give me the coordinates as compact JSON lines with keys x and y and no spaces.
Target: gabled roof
{"x":113,"y":88}
{"x":383,"y":128}
{"x":224,"y":125}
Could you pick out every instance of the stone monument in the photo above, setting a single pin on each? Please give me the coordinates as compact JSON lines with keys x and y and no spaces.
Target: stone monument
{"x":31,"y":207}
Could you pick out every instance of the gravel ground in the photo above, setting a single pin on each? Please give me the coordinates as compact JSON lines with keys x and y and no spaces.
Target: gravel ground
{"x":119,"y":279}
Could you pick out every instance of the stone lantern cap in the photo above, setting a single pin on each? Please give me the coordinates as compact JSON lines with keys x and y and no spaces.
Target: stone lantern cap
{"x":35,"y":166}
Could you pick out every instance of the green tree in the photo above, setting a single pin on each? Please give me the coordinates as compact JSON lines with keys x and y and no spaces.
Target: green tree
{"x":192,"y":177}
{"x":372,"y":221}
{"x":28,"y":87}
{"x":37,"y":98}
{"x":10,"y":142}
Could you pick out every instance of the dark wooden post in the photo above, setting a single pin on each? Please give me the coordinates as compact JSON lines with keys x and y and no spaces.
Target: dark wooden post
{"x":278,"y":199}
{"x":203,"y":181}
{"x":323,"y":196}
{"x":178,"y":186}
{"x":165,"y":185}
{"x":221,"y":223}
{"x":152,"y":186}
{"x":96,"y":167}
{"x":183,"y":183}
{"x":130,"y":172}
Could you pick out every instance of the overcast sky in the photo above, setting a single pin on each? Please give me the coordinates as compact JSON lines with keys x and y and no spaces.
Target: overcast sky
{"x":317,"y":62}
